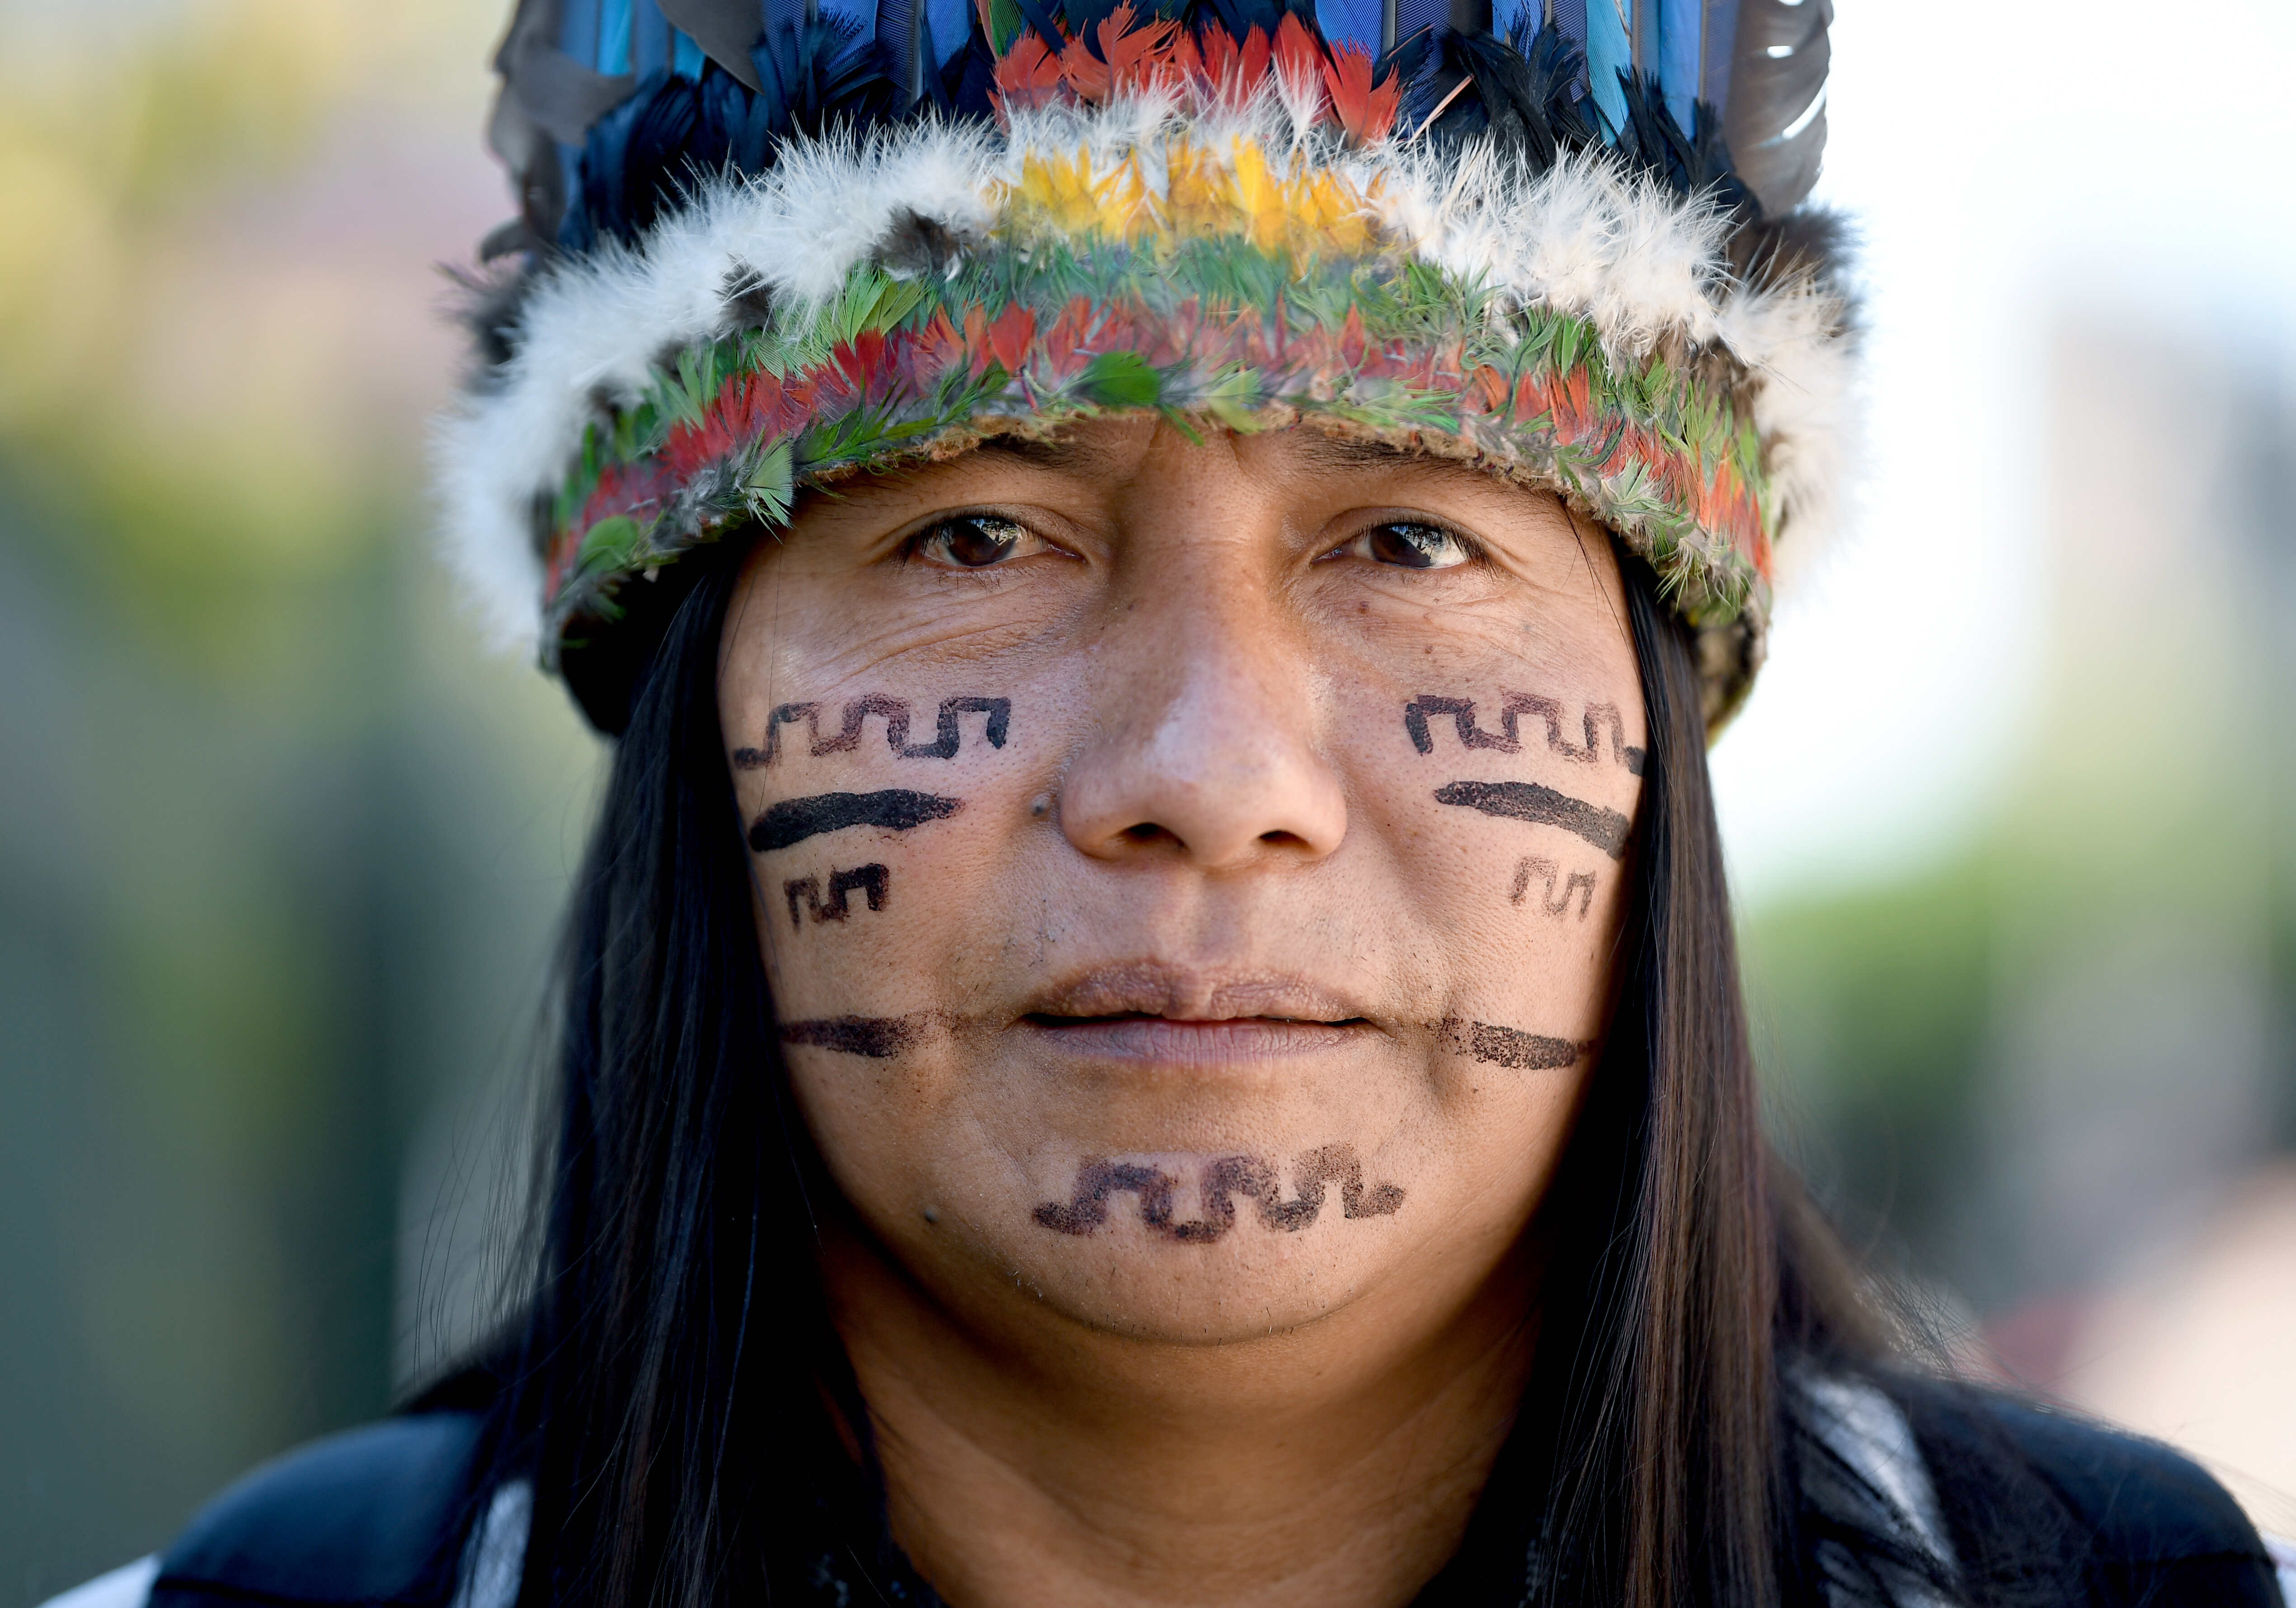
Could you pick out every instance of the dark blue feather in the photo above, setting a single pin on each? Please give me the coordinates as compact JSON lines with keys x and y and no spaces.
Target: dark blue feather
{"x":1534,"y":89}
{"x":1678,"y":52}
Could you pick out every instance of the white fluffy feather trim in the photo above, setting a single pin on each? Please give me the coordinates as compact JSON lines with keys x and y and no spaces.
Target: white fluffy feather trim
{"x":1646,"y":267}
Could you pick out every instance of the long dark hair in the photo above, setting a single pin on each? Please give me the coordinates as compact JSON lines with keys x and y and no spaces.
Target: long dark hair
{"x":679,"y":1398}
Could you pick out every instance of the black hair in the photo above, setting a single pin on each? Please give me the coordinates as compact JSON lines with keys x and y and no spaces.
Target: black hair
{"x":676,"y":1392}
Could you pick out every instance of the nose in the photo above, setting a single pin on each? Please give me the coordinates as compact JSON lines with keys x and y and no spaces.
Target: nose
{"x":1204,"y":746}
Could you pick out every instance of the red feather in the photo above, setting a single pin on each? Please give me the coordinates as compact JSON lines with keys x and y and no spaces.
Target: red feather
{"x":1137,"y":57}
{"x":1298,"y":60}
{"x":1366,"y":111}
{"x":1028,"y":75}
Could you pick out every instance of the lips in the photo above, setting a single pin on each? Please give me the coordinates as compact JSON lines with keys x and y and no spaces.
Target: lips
{"x":1179,"y":993}
{"x":1156,"y":1010}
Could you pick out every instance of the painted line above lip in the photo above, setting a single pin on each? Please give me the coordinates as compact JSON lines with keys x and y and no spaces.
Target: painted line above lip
{"x":896,"y":810}
{"x":1606,"y":829}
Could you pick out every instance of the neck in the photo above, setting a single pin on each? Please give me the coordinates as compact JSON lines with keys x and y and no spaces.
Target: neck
{"x":1036,"y":1462}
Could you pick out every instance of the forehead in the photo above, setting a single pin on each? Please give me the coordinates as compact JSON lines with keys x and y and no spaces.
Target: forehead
{"x":1116,"y":450}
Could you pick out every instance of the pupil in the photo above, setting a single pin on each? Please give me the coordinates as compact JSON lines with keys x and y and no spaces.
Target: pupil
{"x":1414,"y":546}
{"x":975,"y":543}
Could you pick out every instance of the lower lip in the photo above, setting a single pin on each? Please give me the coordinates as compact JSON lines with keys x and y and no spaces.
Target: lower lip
{"x":1198,"y":1043}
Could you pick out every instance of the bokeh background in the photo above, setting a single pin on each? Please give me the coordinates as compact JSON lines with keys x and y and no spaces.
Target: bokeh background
{"x":2012,"y":821}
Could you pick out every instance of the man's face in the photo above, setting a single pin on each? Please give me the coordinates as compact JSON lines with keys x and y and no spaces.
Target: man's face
{"x":1187,"y":873}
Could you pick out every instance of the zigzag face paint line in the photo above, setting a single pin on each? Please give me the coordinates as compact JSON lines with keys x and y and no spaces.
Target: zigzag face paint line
{"x":1508,"y":738}
{"x":1606,"y":829}
{"x":1510,"y":1047}
{"x":896,"y":810}
{"x":876,"y":1037}
{"x":1086,"y":1211}
{"x":1580,"y":883}
{"x":895,"y":713}
{"x":872,"y":880}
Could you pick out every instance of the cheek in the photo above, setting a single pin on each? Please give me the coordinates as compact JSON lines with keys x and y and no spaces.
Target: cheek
{"x":1500,"y":793}
{"x":877,"y":821}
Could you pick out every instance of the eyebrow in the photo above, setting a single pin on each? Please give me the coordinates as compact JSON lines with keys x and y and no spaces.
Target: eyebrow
{"x":1341,"y":452}
{"x":1058,"y":454}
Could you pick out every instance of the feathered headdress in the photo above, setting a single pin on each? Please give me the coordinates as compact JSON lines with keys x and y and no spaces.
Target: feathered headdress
{"x":760,"y":246}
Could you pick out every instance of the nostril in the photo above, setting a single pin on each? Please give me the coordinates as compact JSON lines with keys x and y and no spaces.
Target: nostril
{"x":1289,"y":839}
{"x":1145,"y":832}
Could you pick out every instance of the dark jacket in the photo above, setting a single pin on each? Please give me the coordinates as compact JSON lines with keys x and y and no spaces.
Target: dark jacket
{"x":387,"y":1515}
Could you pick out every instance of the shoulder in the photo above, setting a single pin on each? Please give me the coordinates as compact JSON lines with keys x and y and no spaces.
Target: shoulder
{"x":373,"y":1515}
{"x":129,"y":1586}
{"x":2137,"y":1521}
{"x":2143,"y":1502}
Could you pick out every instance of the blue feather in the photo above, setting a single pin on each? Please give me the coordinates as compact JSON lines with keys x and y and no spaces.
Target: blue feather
{"x":649,"y":39}
{"x":1511,"y":19}
{"x":950,"y":22}
{"x":1721,"y":41}
{"x":860,"y":16}
{"x":1352,"y":21}
{"x":1610,"y":57}
{"x":1529,"y":85}
{"x":578,"y":31}
{"x":614,"y":58}
{"x":1680,"y":46}
{"x":1413,"y":16}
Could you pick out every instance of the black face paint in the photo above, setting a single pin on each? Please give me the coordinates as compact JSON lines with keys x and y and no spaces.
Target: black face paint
{"x":895,"y":713}
{"x":1336,"y":1164}
{"x":1606,"y":829}
{"x":878,"y":1037}
{"x":946,"y":736}
{"x":1223,"y":1179}
{"x":1580,"y":883}
{"x":1096,"y":1180}
{"x":896,"y":810}
{"x":1508,"y":738}
{"x":752,"y":758}
{"x":872,"y":881}
{"x":1510,"y":1047}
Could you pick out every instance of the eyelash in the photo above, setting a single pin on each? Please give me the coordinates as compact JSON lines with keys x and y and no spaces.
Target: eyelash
{"x":1470,"y":551}
{"x":1013,"y":533}
{"x":1019,"y":534}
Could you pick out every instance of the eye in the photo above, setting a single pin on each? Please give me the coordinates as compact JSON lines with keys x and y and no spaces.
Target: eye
{"x":976,"y":541}
{"x":1410,"y":546}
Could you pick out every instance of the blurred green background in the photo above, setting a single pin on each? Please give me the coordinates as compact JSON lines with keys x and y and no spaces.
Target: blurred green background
{"x":282,"y":846}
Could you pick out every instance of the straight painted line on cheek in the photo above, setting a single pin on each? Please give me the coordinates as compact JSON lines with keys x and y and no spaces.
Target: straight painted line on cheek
{"x":1606,"y":829}
{"x":1510,"y":1047}
{"x":878,"y":1037}
{"x":794,"y":820}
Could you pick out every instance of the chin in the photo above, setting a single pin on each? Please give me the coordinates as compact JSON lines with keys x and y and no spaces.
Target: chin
{"x":1251,"y":1285}
{"x":1206,"y":1244}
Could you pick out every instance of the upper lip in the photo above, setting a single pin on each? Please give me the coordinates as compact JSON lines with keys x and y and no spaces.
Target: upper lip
{"x":1185,"y":993}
